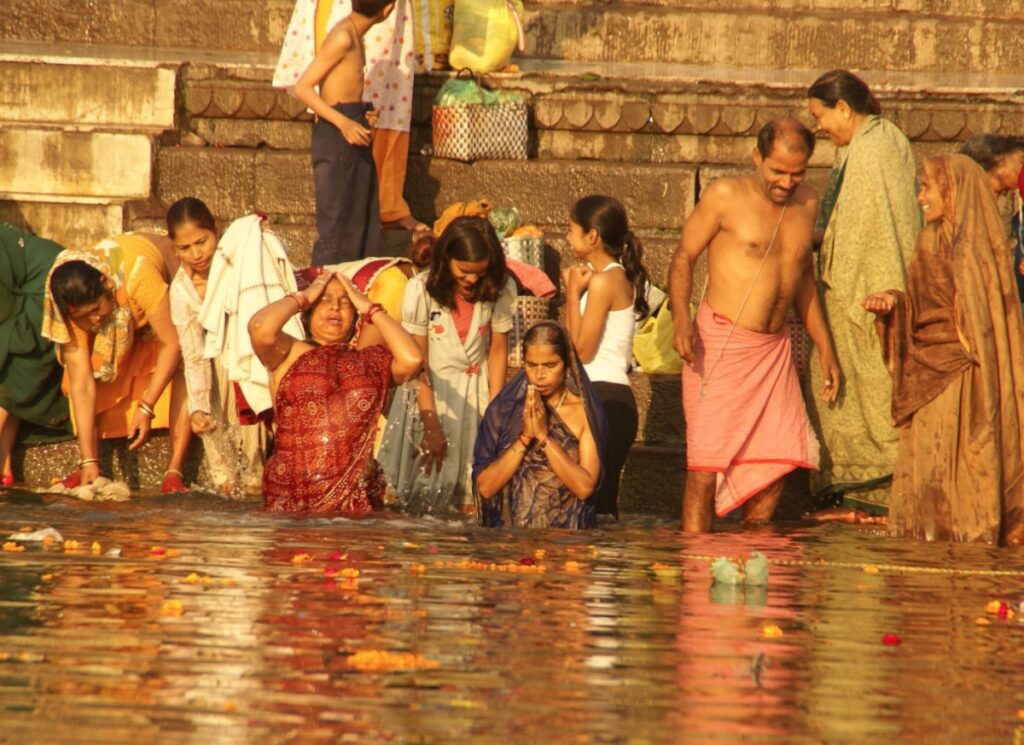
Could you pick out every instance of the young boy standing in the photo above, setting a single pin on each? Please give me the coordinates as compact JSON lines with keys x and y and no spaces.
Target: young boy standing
{"x":344,"y":176}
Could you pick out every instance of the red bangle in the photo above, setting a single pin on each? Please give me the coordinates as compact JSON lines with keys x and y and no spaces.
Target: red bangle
{"x":374,"y":307}
{"x":300,"y":300}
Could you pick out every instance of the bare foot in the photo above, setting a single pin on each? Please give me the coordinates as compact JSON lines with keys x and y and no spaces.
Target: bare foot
{"x":847,"y":515}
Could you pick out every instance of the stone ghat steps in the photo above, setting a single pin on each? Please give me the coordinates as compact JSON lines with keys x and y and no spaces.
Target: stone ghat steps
{"x":757,"y":35}
{"x":915,"y":35}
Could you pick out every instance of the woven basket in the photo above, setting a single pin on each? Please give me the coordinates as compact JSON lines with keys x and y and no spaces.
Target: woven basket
{"x":528,"y":249}
{"x":529,"y":310}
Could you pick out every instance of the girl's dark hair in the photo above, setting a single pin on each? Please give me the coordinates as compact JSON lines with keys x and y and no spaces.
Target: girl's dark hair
{"x":607,"y":216}
{"x":74,"y":284}
{"x":370,"y":8}
{"x":987,"y":149}
{"x":548,"y":334}
{"x":467,"y":239}
{"x":189,"y":211}
{"x":842,"y":85}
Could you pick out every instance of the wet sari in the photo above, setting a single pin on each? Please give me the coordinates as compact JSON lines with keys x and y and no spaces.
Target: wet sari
{"x":954,"y":345}
{"x":29,"y":373}
{"x":325,"y":412}
{"x":535,"y":497}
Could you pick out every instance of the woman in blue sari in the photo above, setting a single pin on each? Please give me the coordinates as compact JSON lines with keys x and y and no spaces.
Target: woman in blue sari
{"x":538,"y":454}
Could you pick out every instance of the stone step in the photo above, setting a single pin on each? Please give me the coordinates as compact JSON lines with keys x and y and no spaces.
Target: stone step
{"x":71,"y":224}
{"x":953,"y":35}
{"x":70,"y":91}
{"x":761,"y":35}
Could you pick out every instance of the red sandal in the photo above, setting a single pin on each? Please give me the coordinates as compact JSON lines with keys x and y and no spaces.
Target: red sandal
{"x":173,"y":482}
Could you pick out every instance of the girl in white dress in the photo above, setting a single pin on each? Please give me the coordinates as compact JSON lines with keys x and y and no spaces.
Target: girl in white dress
{"x":459,"y":312}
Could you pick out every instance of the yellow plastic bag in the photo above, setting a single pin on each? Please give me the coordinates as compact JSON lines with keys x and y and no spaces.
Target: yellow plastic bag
{"x":432,"y":33}
{"x":652,"y":344}
{"x":485,"y":33}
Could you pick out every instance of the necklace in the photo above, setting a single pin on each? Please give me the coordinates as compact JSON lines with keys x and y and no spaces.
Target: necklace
{"x":565,"y":392}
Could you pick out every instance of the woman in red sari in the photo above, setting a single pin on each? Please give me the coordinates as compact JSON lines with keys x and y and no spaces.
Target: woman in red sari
{"x":328,"y":395}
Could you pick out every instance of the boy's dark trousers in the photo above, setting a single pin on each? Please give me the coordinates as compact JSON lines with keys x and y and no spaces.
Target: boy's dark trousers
{"x":345,"y":187}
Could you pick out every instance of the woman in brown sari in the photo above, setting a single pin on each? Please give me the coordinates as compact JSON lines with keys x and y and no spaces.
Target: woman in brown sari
{"x":953,"y":344}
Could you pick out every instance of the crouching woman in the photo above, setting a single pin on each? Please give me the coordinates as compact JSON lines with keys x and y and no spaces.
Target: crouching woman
{"x":328,"y":395}
{"x":537,"y":458}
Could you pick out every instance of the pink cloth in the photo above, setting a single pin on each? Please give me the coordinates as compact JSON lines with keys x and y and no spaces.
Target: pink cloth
{"x":535,"y":280}
{"x":751,"y":426}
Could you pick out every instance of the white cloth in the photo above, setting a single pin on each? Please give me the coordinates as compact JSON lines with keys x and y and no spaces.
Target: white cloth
{"x":614,"y":354}
{"x":390,"y":58}
{"x":185,"y":305}
{"x":250,"y":270}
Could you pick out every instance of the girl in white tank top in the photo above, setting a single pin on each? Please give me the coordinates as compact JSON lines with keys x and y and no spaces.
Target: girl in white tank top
{"x":605,"y":297}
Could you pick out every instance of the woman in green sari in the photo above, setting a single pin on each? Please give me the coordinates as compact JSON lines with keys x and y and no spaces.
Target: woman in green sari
{"x":30,"y":397}
{"x":869,"y":220}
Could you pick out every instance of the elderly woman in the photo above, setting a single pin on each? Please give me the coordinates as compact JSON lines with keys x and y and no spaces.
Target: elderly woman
{"x":1002,"y":157}
{"x":328,"y":395}
{"x":108,"y":312}
{"x":953,"y":343}
{"x":541,"y":440}
{"x":869,"y":220}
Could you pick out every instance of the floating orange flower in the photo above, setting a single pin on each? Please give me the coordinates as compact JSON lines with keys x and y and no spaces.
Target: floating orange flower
{"x":378,"y":660}
{"x":71,"y":545}
{"x":46,"y":577}
{"x":417,"y":568}
{"x":870,"y":569}
{"x":47,"y":540}
{"x":12,"y":546}
{"x":571,"y":566}
{"x":540,"y":553}
{"x":301,"y":558}
{"x":349,"y":572}
{"x":192,"y":579}
{"x":771,"y":631}
{"x":158,"y":551}
{"x":96,"y":548}
{"x":982,"y":621}
{"x":172,"y":608}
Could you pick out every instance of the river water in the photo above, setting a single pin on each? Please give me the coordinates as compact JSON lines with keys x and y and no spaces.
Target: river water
{"x":217,"y":623}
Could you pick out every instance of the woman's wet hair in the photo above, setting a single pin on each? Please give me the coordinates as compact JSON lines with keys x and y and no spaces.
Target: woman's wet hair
{"x":370,"y":8}
{"x":607,"y":216}
{"x":548,"y":334}
{"x":988,"y":149}
{"x":467,"y":239}
{"x":842,"y":85}
{"x":189,"y":211}
{"x":74,"y":284}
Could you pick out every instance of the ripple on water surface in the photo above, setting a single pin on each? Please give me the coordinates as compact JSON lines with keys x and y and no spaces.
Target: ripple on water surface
{"x":217,"y":623}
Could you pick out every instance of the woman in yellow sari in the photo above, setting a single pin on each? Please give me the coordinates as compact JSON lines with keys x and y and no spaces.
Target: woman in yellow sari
{"x":107,"y":310}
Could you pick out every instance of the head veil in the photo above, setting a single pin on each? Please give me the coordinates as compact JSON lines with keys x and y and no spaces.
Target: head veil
{"x":503,"y":421}
{"x":114,"y":337}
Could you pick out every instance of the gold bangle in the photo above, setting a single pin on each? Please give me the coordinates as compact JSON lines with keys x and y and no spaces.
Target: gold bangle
{"x":544,"y":443}
{"x":300,"y":300}
{"x":88,"y":461}
{"x":146,"y":409}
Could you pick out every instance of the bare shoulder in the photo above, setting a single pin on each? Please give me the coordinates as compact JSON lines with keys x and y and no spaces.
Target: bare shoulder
{"x":806,"y":198}
{"x":339,"y":38}
{"x":722,"y":190}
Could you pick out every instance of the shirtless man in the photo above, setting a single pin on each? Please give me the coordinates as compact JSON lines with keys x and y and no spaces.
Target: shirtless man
{"x":344,"y":174}
{"x":746,"y":422}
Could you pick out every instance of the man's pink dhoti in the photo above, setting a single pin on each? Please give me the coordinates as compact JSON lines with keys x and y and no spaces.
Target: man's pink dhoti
{"x":750,"y":427}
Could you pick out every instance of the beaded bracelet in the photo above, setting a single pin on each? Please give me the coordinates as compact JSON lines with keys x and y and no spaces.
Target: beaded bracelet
{"x":146,"y":409}
{"x":300,"y":300}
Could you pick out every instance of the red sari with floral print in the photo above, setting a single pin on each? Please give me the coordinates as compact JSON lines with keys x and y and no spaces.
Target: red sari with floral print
{"x":326,"y":413}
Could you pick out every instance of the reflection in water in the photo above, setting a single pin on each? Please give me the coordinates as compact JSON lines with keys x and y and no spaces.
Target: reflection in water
{"x":244,"y":627}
